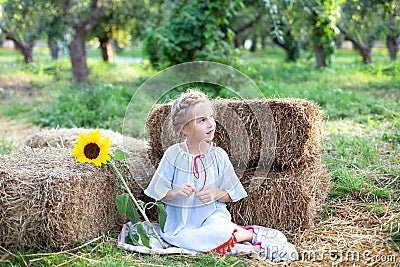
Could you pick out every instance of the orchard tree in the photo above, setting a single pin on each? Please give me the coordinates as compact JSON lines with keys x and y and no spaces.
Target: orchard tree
{"x":55,"y":24}
{"x":127,"y":20}
{"x":292,"y":24}
{"x":286,"y":27}
{"x":322,"y":16}
{"x":115,"y":21}
{"x":245,"y":22}
{"x":362,"y":23}
{"x":392,"y":18}
{"x":83,"y":15}
{"x":21,"y":22}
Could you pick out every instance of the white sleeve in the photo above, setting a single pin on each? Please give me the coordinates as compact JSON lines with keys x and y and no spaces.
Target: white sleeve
{"x":229,"y":180}
{"x":161,"y":182}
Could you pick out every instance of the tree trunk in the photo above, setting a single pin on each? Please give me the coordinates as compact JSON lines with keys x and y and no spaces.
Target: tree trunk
{"x":78,"y":56}
{"x":319,"y":55}
{"x":263,"y":41}
{"x":391,"y":44}
{"x":53,"y":48}
{"x":115,"y":46}
{"x":253,"y":46}
{"x":290,"y":46}
{"x":28,"y":53}
{"x":25,"y":49}
{"x":391,"y":39}
{"x":77,"y":47}
{"x":364,"y":50}
{"x":238,"y":40}
{"x":106,"y":50}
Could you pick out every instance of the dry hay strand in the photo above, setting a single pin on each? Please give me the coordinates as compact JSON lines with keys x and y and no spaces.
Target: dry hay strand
{"x":353,"y":235}
{"x":62,"y":137}
{"x":284,"y":200}
{"x":350,"y":235}
{"x":47,"y":199}
{"x":253,"y":132}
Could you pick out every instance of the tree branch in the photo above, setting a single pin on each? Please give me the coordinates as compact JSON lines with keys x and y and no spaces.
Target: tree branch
{"x":247,"y":25}
{"x":18,"y":43}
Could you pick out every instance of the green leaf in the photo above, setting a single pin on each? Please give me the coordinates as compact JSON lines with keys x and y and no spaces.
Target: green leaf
{"x":120,"y":155}
{"x":132,"y":213}
{"x":122,"y":203}
{"x":143,"y":235}
{"x":141,"y":203}
{"x":133,"y":239}
{"x":162,"y":214}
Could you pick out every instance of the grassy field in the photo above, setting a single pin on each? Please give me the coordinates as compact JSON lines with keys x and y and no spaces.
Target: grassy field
{"x":361,"y":128}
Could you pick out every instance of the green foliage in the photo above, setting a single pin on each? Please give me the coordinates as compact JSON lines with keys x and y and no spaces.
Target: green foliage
{"x":323,"y":16}
{"x":365,"y":21}
{"x":143,"y":235}
{"x":133,"y":239}
{"x":287,"y":27}
{"x":162,"y":215}
{"x":194,"y":30}
{"x":120,"y":155}
{"x":7,"y":146}
{"x":122,"y":203}
{"x":22,"y":19}
{"x":96,"y":106}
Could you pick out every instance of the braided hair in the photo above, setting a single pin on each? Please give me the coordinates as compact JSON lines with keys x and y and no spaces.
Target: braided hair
{"x":182,"y":108}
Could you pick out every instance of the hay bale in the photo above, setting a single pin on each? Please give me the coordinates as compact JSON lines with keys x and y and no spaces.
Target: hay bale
{"x":285,"y":200}
{"x":47,"y":199}
{"x":63,"y":137}
{"x":283,"y":132}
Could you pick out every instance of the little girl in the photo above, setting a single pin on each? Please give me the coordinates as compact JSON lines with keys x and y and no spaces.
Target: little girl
{"x":195,"y":179}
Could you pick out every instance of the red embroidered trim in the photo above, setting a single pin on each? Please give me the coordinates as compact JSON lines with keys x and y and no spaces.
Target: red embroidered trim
{"x":225,"y":247}
{"x":195,"y":169}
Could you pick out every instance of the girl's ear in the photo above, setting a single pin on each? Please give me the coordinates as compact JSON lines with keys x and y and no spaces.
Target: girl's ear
{"x":184,"y":130}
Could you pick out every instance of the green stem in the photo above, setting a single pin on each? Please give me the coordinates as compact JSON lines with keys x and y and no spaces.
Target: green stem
{"x":143,"y":212}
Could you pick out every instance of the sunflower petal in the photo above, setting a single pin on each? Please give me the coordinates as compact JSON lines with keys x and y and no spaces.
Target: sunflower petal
{"x":83,"y":138}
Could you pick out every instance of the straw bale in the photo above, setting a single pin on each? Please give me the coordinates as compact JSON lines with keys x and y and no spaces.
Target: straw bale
{"x":285,"y":200}
{"x":63,"y":137}
{"x":47,"y":199}
{"x":253,"y":132}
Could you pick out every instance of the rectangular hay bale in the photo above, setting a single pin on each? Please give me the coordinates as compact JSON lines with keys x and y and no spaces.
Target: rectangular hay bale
{"x":297,"y":124}
{"x":285,"y":200}
{"x":49,"y":200}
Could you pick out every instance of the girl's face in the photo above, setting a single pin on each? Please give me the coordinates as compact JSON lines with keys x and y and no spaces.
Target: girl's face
{"x":202,"y":126}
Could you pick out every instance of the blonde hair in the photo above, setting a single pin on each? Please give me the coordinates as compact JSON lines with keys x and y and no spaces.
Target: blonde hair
{"x":182,"y":108}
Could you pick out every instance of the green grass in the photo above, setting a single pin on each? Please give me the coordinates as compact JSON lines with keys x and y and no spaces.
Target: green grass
{"x":361,"y":133}
{"x":7,"y":146}
{"x":104,"y":252}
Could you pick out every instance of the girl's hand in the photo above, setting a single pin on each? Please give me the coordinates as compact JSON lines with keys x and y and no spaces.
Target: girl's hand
{"x":184,"y":190}
{"x":208,"y":195}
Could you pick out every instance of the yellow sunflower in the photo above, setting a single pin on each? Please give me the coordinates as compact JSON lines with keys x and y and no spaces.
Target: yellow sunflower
{"x":91,"y":149}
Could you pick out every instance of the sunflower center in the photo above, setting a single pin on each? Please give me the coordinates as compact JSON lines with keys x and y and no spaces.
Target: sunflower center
{"x":91,"y":151}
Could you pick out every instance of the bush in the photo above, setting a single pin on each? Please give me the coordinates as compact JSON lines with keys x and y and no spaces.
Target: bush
{"x":97,"y":106}
{"x":193,"y":31}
